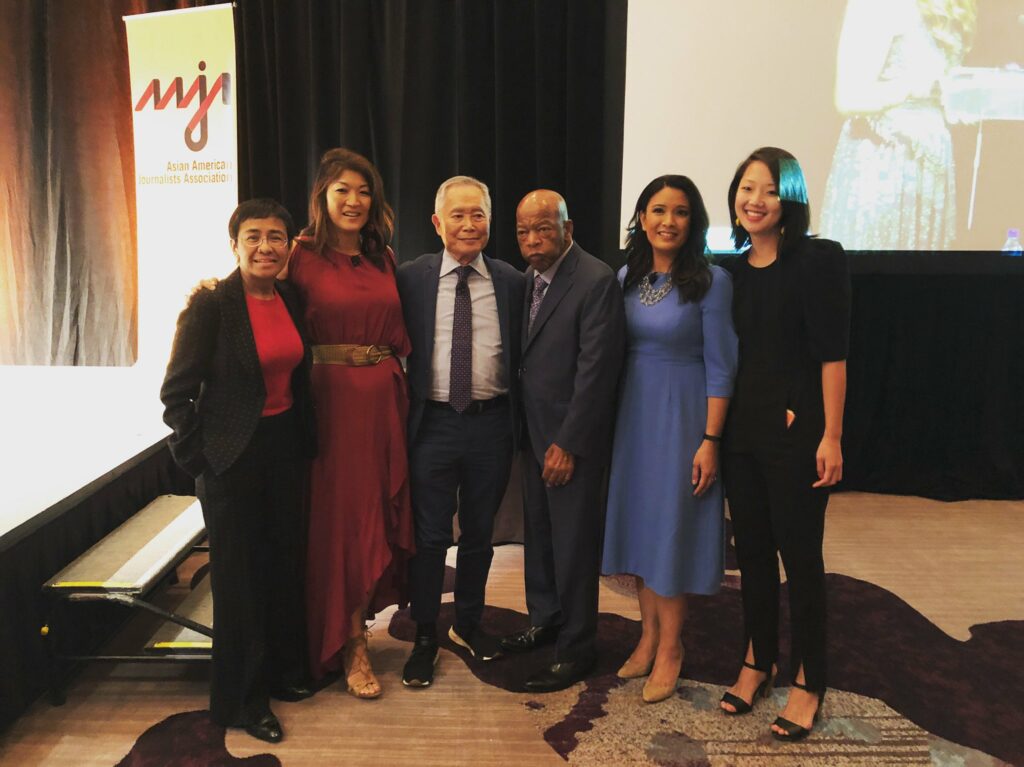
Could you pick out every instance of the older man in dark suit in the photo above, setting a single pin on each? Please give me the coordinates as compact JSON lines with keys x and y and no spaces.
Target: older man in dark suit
{"x":463,"y":311}
{"x":573,"y":343}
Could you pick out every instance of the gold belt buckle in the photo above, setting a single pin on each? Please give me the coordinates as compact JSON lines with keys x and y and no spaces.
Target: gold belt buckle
{"x":373,"y":354}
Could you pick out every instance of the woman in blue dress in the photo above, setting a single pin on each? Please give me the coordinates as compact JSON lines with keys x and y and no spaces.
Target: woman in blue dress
{"x":665,"y":517}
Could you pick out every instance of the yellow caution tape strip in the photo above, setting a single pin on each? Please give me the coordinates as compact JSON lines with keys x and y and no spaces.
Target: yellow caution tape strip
{"x":183,"y":645}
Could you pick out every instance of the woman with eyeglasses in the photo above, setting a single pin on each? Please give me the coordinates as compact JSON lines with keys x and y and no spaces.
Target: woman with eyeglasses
{"x":237,"y":396}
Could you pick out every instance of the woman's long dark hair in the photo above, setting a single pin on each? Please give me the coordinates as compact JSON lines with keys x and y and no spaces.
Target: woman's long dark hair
{"x":691,"y":272}
{"x":792,"y":187}
{"x":380,"y":224}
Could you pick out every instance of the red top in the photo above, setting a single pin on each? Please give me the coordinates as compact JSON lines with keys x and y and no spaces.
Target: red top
{"x":279,"y":348}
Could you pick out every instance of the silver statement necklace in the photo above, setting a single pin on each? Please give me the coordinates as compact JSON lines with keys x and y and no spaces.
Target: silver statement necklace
{"x":649,"y":295}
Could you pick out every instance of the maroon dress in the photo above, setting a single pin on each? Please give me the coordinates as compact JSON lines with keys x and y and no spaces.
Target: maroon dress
{"x":360,"y":521}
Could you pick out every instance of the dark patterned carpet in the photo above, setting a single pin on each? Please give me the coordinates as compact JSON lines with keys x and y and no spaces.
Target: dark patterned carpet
{"x":902,"y":692}
{"x":189,"y":739}
{"x":879,"y":647}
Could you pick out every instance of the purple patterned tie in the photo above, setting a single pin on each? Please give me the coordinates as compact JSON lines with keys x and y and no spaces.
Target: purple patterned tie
{"x":460,"y":385}
{"x":539,"y":286}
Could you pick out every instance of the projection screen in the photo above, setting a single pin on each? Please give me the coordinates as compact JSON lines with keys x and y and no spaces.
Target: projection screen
{"x":907,"y":116}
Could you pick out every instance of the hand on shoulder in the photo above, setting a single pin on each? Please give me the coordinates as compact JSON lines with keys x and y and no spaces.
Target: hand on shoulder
{"x":201,"y":288}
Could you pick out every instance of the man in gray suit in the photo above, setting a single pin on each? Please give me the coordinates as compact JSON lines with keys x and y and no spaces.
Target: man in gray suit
{"x":573,"y":345}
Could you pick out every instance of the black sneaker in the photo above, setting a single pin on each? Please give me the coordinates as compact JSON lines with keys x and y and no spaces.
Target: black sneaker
{"x":480,"y":644}
{"x":419,"y":669}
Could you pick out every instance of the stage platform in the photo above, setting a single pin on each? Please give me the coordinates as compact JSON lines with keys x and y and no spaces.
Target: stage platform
{"x":66,"y":428}
{"x":81,"y":450}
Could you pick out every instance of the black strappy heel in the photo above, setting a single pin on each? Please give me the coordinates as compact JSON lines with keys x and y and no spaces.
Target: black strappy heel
{"x":793,"y":731}
{"x":763,"y":691}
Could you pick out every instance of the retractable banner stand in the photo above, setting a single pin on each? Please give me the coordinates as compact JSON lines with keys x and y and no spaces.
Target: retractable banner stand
{"x":182,"y":66}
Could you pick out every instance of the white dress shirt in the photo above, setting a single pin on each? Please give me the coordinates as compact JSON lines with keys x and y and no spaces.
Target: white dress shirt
{"x":489,"y":379}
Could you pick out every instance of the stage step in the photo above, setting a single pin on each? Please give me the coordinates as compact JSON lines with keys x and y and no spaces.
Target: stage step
{"x":132,"y":558}
{"x":124,"y":568}
{"x":172,"y":638}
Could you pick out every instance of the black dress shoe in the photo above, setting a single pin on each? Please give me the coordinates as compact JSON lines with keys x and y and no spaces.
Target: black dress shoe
{"x":290,"y":693}
{"x":267,"y":728}
{"x":419,"y":669}
{"x":558,"y":676}
{"x":530,"y":639}
{"x":480,"y":644}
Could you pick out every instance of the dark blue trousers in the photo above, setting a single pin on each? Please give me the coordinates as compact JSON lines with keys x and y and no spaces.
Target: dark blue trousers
{"x":457,"y":464}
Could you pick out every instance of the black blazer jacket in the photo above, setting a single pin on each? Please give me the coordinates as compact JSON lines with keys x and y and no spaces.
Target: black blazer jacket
{"x":213,"y":391}
{"x":814,"y":322}
{"x":417,"y":286}
{"x":572,"y":357}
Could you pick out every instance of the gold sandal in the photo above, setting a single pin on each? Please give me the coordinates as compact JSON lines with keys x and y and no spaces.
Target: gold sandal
{"x":362,"y":682}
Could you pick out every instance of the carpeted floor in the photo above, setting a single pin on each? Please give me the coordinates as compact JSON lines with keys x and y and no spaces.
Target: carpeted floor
{"x":901,"y":693}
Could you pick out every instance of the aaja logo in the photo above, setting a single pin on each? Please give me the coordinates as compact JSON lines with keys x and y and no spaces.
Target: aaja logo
{"x":206,"y":96}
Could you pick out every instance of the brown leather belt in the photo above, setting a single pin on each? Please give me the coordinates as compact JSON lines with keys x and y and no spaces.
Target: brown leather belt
{"x":356,"y":355}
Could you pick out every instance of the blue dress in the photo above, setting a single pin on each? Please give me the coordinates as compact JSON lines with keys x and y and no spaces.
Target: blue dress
{"x":677,"y":355}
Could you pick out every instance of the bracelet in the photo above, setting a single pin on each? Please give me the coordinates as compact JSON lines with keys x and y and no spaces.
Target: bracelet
{"x":712,"y":438}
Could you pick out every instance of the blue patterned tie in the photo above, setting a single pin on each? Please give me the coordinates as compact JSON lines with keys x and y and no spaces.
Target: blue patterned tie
{"x":460,"y":385}
{"x":539,"y":286}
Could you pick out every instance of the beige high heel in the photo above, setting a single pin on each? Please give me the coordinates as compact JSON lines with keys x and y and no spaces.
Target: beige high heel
{"x":634,"y":669}
{"x":359,"y":677}
{"x":655,"y":693}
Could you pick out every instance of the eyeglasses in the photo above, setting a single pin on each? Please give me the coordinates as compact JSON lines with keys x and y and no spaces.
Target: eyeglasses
{"x":274,"y":239}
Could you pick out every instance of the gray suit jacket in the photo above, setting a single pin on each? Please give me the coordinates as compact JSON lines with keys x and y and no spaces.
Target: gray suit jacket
{"x":572,"y":357}
{"x":417,"y":286}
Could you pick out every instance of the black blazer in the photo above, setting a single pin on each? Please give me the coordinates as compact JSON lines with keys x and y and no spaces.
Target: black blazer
{"x":572,"y":357}
{"x":814,"y":326}
{"x":417,"y":287}
{"x":213,"y":391}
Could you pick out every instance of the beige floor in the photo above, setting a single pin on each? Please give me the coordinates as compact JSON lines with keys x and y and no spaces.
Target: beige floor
{"x":958,"y":564}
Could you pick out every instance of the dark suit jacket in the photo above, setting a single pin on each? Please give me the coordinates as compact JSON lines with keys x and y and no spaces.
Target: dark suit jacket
{"x":213,"y":391}
{"x":572,"y":357}
{"x":417,"y":286}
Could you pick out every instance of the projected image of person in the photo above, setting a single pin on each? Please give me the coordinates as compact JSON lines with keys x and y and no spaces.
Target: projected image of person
{"x":782,"y":453}
{"x":237,"y":396}
{"x":665,"y":521}
{"x":892,"y":182}
{"x":360,"y":527}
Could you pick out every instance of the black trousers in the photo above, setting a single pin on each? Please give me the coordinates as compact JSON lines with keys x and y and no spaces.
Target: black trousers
{"x":254,"y":518}
{"x":563,"y":535}
{"x":459,"y":463}
{"x":775,"y":511}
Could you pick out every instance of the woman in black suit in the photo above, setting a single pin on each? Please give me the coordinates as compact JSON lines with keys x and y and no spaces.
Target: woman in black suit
{"x":791,"y":308}
{"x":236,"y":394}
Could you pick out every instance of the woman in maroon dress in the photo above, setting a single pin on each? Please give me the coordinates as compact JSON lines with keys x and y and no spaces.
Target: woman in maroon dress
{"x":360,"y":525}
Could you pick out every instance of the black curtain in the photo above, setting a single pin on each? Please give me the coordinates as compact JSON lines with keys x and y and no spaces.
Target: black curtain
{"x":530,"y":93}
{"x":519,"y":93}
{"x":935,"y":403}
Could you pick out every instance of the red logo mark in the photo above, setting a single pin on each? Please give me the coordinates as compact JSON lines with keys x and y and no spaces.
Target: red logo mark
{"x":221,"y":85}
